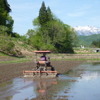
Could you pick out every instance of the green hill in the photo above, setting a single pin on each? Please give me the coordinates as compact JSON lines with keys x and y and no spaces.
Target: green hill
{"x":87,"y":40}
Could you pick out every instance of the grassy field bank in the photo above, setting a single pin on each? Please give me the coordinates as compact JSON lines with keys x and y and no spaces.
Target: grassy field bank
{"x":4,"y":59}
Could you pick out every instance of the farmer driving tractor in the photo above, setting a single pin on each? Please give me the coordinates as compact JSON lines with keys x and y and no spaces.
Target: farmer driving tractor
{"x":44,"y":61}
{"x":43,"y":67}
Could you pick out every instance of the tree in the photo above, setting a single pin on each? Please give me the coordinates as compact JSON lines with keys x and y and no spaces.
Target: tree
{"x":7,"y":6}
{"x":36,"y":22}
{"x":49,"y":14}
{"x":4,"y":10}
{"x":68,"y":40}
{"x":3,"y":29}
{"x":43,"y":14}
{"x":5,"y":19}
{"x":96,"y":43}
{"x":60,"y":35}
{"x":9,"y":24}
{"x":51,"y":33}
{"x":30,"y":33}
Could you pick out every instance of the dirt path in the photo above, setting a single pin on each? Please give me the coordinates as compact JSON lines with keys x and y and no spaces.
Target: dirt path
{"x":9,"y":71}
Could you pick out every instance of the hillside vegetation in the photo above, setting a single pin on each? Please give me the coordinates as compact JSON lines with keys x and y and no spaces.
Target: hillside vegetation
{"x":14,"y":46}
{"x":87,"y":40}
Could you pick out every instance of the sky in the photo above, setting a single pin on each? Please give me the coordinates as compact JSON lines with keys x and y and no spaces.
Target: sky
{"x":71,"y":12}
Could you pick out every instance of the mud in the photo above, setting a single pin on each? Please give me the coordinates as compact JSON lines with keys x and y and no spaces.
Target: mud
{"x":10,"y":71}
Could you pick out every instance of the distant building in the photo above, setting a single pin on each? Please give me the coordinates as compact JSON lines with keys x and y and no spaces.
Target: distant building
{"x":96,"y":49}
{"x":82,"y":46}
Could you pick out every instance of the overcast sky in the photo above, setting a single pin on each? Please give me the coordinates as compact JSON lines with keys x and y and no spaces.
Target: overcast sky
{"x":71,"y":12}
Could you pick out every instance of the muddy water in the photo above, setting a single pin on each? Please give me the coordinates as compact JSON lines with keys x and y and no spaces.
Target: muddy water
{"x":81,"y":83}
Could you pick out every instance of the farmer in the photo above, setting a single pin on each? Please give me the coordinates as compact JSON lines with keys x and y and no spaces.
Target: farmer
{"x":46,"y":59}
{"x":43,"y":58}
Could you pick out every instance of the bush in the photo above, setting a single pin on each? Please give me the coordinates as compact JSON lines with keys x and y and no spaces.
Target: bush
{"x":48,"y":47}
{"x":6,"y":45}
{"x":3,"y":29}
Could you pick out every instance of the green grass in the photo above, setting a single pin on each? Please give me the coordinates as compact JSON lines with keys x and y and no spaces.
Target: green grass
{"x":18,"y":60}
{"x":87,"y":53}
{"x":2,"y":54}
{"x":22,"y":60}
{"x":77,"y":59}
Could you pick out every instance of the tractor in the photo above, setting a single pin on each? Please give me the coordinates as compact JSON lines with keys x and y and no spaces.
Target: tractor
{"x":43,"y":66}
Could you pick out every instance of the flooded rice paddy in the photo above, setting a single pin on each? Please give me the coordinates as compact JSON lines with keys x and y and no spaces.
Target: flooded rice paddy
{"x":81,"y":83}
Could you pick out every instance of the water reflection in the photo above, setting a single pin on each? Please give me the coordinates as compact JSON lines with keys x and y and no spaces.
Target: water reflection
{"x":26,"y":89}
{"x":18,"y":90}
{"x":87,"y":87}
{"x":96,"y":63}
{"x":90,"y":76}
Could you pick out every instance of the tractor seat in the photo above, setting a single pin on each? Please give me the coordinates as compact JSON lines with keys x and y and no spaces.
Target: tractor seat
{"x":42,"y":62}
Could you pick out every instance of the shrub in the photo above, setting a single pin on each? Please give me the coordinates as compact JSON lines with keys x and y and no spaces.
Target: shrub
{"x":6,"y":45}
